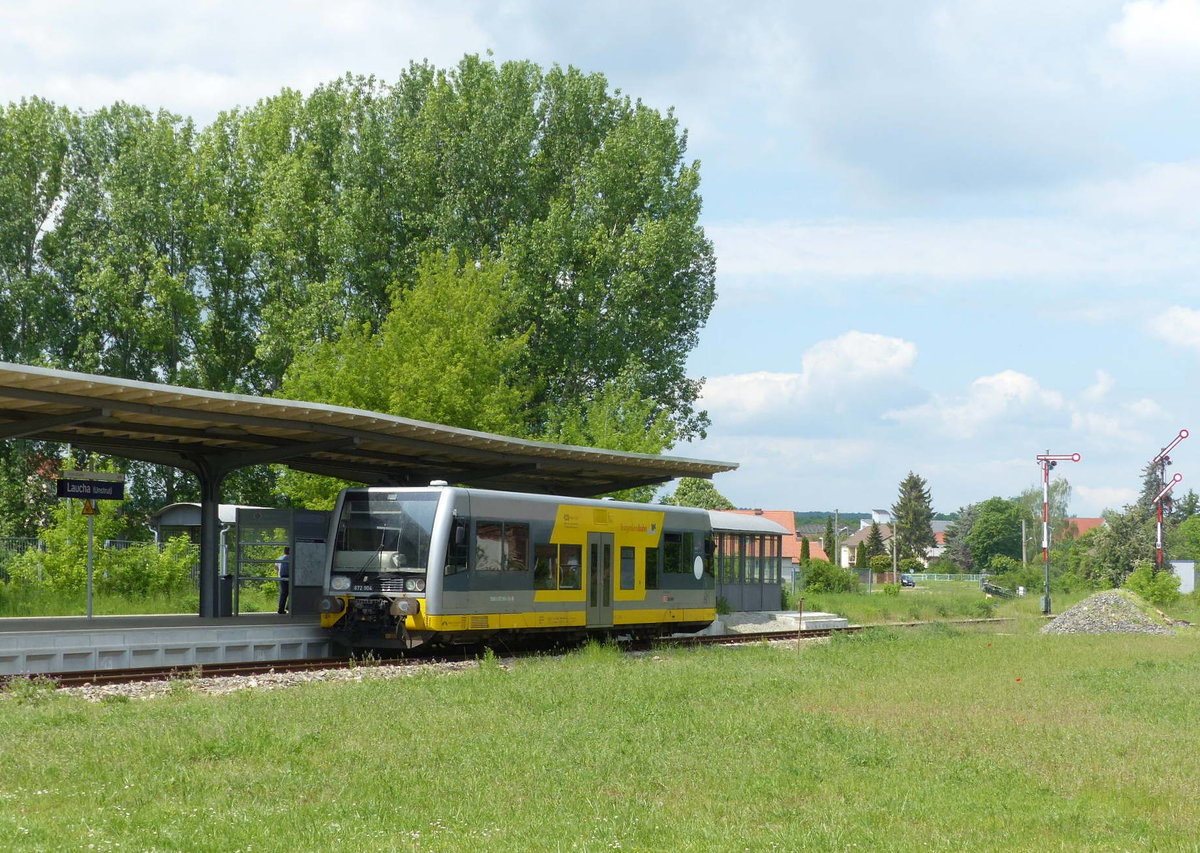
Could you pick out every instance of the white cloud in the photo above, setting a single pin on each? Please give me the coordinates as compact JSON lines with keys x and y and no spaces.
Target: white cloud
{"x":1166,"y":192}
{"x":838,"y":368}
{"x":1096,"y":499}
{"x":1159,"y":34}
{"x":1098,"y":391}
{"x":954,"y":250}
{"x":1008,"y":397}
{"x":199,"y":58}
{"x":1178,"y":326}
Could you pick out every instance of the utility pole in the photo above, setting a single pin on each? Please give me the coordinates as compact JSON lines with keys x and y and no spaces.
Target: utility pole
{"x":1048,"y":461}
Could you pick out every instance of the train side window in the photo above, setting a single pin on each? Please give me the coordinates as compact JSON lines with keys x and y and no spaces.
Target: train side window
{"x":501,"y":547}
{"x":677,"y":553}
{"x":570,"y":559}
{"x":489,"y":547}
{"x":628,"y":580}
{"x":516,"y":547}
{"x":653,"y":556}
{"x":545,"y":567}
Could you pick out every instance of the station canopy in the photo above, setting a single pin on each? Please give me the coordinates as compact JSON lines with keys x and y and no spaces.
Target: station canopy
{"x":211,"y":433}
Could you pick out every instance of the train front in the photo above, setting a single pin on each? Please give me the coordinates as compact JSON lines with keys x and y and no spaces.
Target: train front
{"x":388,"y":545}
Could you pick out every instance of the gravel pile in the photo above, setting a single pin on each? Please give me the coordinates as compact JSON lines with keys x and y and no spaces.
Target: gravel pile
{"x":1110,"y":612}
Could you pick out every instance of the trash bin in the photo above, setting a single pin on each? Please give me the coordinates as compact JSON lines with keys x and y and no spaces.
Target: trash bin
{"x":225,"y":595}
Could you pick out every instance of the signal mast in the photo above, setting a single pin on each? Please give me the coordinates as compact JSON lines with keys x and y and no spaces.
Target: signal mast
{"x":1048,"y":461}
{"x":1162,"y":460}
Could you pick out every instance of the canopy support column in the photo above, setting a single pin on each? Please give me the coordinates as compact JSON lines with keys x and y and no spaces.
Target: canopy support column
{"x":211,"y":477}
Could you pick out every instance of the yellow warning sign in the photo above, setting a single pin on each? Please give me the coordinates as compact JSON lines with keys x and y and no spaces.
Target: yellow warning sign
{"x":89,"y":506}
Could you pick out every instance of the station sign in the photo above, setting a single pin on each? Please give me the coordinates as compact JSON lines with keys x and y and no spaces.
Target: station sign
{"x":91,"y":485}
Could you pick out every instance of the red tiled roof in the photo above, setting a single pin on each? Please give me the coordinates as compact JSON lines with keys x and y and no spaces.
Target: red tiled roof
{"x":1076,"y":527}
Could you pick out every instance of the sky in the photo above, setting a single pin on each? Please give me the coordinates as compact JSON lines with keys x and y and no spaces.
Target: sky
{"x":950,"y":236}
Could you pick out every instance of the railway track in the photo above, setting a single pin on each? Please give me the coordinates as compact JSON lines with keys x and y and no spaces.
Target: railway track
{"x":250,"y":668}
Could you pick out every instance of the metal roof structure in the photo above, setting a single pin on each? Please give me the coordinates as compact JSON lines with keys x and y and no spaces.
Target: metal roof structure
{"x":188,"y":428}
{"x":212,"y":434}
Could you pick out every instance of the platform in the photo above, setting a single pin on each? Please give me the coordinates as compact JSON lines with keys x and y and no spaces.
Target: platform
{"x":782,"y":621}
{"x":75,"y":643}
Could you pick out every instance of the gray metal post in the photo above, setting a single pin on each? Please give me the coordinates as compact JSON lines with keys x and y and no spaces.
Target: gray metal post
{"x":90,"y":563}
{"x":210,"y":533}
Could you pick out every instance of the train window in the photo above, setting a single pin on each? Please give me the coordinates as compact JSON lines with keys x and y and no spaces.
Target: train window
{"x":516,"y":547}
{"x":628,"y":581}
{"x":677,"y":553}
{"x":457,"y":551}
{"x":501,"y":547}
{"x":570,"y":559}
{"x":545,"y":567}
{"x":653,"y":555}
{"x":489,"y":548}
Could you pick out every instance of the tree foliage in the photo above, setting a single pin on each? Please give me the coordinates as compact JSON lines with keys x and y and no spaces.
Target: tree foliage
{"x":140,"y":569}
{"x":874,"y":541}
{"x":823,"y":576}
{"x":913,"y":515}
{"x":1160,"y":588}
{"x":693,"y":491}
{"x":240,"y":255}
{"x":995,"y":531}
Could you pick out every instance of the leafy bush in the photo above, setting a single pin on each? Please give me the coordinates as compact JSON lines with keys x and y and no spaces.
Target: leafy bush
{"x":880,"y":563}
{"x":984,"y":609}
{"x":822,"y":576}
{"x":1156,"y":587}
{"x":911,"y":564}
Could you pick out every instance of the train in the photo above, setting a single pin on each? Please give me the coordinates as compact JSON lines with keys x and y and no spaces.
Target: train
{"x":408,"y":568}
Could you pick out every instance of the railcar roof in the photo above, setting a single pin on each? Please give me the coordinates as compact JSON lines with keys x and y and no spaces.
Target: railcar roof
{"x":189,"y":428}
{"x":733,"y":522}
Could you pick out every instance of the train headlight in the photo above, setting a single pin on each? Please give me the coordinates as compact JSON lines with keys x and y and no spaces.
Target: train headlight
{"x":405,"y":607}
{"x":414,"y":585}
{"x":331,"y":604}
{"x":340,"y":583}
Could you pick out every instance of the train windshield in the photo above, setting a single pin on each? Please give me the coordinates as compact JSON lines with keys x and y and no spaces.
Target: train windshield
{"x":384,"y":532}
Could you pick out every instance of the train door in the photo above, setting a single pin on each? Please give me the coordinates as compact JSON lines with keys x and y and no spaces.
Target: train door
{"x":600,"y":580}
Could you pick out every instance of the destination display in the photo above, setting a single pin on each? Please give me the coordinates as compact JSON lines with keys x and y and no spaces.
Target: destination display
{"x":103,"y":490}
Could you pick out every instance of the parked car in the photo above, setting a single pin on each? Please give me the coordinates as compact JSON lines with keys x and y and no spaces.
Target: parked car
{"x":907,"y":580}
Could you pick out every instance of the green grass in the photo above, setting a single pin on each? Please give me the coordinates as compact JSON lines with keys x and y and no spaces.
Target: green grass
{"x":936,"y":738}
{"x":931,"y":601}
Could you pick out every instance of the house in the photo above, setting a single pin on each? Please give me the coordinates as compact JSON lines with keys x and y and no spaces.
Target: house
{"x":1076,"y":527}
{"x":848,"y":548}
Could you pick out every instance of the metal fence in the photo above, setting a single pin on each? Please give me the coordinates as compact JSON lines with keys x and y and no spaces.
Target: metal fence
{"x":20,"y":544}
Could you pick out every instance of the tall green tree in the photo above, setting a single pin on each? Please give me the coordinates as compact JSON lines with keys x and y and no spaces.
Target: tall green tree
{"x":431,"y":360}
{"x":1124,"y":539}
{"x":958,"y":549}
{"x":995,"y":531}
{"x":913,"y":517}
{"x":34,"y":138}
{"x":874,"y":541}
{"x":827,"y":542}
{"x":1185,"y":539}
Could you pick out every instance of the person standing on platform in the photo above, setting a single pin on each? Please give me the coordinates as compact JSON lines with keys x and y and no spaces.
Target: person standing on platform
{"x":283,"y":567}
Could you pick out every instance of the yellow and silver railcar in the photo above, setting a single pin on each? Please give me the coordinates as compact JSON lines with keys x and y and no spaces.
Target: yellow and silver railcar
{"x":413,"y":566}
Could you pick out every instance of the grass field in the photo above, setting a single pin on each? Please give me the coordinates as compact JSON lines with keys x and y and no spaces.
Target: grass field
{"x":935,"y":738}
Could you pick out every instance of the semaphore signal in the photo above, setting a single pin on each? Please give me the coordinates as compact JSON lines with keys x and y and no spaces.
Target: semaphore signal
{"x":1047,"y":461}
